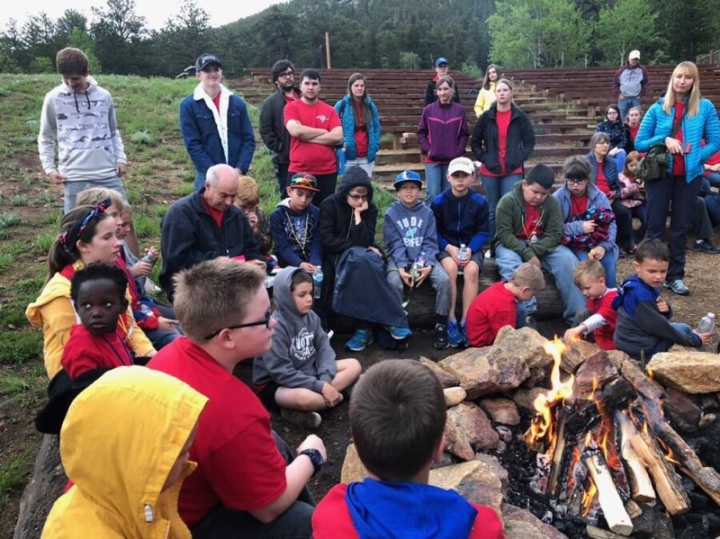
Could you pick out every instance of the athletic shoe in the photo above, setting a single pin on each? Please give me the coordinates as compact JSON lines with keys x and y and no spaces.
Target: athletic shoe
{"x":455,"y":338}
{"x":705,"y":246}
{"x":308,"y":420}
{"x":399,"y":334}
{"x":677,"y":286}
{"x":360,"y":340}
{"x":441,"y":337}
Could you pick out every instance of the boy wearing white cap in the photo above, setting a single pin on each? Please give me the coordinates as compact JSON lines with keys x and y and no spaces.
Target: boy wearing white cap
{"x":630,"y":83}
{"x":461,"y":214}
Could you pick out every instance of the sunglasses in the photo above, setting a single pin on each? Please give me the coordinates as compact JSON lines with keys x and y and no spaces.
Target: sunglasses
{"x":264,"y":322}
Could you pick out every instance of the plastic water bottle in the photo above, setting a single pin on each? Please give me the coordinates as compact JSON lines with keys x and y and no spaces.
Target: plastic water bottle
{"x":317,"y":282}
{"x":418,"y":265}
{"x":150,"y":258}
{"x":707,"y":324}
{"x":462,"y":255}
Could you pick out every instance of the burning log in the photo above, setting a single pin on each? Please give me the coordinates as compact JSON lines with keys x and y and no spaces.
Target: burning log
{"x":615,"y":395}
{"x":598,"y":533}
{"x":642,"y":489}
{"x":612,"y":505}
{"x":667,"y":482}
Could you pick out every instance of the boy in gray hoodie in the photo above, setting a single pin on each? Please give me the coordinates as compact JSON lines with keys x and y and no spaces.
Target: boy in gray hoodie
{"x":300,"y":374}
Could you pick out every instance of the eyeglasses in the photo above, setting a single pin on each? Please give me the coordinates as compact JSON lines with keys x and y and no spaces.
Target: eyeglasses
{"x":611,"y":113}
{"x":576,"y":182}
{"x":358,"y":197}
{"x":264,"y":322}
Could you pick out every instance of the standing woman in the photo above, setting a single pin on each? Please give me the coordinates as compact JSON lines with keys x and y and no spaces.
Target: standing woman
{"x":502,"y":140}
{"x":681,"y":185}
{"x":486,"y":95}
{"x":615,"y":129}
{"x":443,"y":133}
{"x":360,"y":124}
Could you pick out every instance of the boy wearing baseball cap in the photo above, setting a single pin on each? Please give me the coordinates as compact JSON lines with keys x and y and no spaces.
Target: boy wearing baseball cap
{"x":410,"y":235}
{"x":294,"y":225}
{"x":461,"y":214}
{"x":441,"y":69}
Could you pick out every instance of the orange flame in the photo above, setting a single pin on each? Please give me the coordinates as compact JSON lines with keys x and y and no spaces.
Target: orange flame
{"x":650,"y":373}
{"x":588,"y":497}
{"x":596,"y":384}
{"x":669,"y":455}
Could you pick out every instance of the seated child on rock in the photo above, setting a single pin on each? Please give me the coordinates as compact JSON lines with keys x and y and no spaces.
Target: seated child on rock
{"x":410,"y":235}
{"x":300,"y":373}
{"x":643,"y":323}
{"x":397,"y":420}
{"x":496,"y":306}
{"x":598,"y":318}
{"x":462,"y":220}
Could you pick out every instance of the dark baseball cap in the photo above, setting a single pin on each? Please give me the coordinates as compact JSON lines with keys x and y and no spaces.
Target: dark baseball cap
{"x":205,"y":60}
{"x":441,"y":61}
{"x":304,"y":181}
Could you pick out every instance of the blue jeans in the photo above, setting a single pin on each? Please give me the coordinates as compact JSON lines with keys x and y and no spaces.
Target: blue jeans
{"x":560,"y":264}
{"x":436,"y":179}
{"x":625,"y":105}
{"x":495,"y":189}
{"x":713,"y":178}
{"x":663,"y":345}
{"x":609,"y":263}
{"x":619,"y":158}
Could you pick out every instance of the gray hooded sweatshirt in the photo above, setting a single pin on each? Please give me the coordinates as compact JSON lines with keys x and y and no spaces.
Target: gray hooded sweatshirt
{"x":301,"y":355}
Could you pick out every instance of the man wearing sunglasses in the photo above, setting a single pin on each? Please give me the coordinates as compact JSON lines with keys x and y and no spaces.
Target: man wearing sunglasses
{"x":272,"y":125}
{"x":248,"y":482}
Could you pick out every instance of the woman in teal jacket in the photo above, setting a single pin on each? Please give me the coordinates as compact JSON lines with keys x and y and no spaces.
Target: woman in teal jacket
{"x":683,"y":179}
{"x":361,"y":125}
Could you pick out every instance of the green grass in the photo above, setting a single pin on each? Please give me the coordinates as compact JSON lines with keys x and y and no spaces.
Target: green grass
{"x":14,"y":472}
{"x":18,"y":347}
{"x":12,"y":384}
{"x":6,"y":261}
{"x":44,"y":241}
{"x":20,"y":200}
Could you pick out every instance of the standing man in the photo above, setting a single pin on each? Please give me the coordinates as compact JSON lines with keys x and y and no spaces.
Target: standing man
{"x":206,"y":225}
{"x":215,"y":124}
{"x":629,"y":84}
{"x":272,"y":124}
{"x":441,"y":70}
{"x":315,"y":130}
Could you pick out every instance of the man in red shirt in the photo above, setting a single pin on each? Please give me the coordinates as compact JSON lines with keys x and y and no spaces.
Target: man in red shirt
{"x":247,"y":483}
{"x":315,"y":130}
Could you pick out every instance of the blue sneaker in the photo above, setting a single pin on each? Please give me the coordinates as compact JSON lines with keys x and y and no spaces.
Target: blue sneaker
{"x":359,"y":340}
{"x":455,"y":338}
{"x":399,"y":334}
{"x":463,"y":332}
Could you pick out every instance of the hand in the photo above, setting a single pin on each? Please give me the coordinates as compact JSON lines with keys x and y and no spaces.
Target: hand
{"x":621,"y":97}
{"x":57,"y":177}
{"x":362,"y":206}
{"x":673,"y":145}
{"x":704,"y":337}
{"x":307,"y":266}
{"x":597,"y":253}
{"x":121,"y":169}
{"x":375,"y":250}
{"x":588,"y":227}
{"x":535,"y":261}
{"x":167,"y":324}
{"x":573,"y":334}
{"x":152,"y":250}
{"x":141,"y":269}
{"x":331,"y":395}
{"x":613,"y":152}
{"x":662,"y":305}
{"x":253,"y":220}
{"x":313,"y":442}
{"x":715,"y":168}
{"x":424,"y":274}
{"x":405,"y":276}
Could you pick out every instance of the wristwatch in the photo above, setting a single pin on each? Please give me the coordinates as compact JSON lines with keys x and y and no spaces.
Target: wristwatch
{"x":315,"y":457}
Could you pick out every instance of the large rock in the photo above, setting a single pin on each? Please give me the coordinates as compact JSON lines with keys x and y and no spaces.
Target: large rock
{"x":596,"y":369}
{"x":525,"y":397}
{"x":456,"y":442}
{"x":575,"y":354}
{"x":446,"y":379}
{"x":475,"y":425}
{"x":525,"y":343}
{"x":476,"y":481}
{"x":501,"y":411}
{"x":454,"y":396}
{"x":483,"y":371}
{"x":352,"y":469}
{"x":522,"y":524}
{"x":691,"y":372}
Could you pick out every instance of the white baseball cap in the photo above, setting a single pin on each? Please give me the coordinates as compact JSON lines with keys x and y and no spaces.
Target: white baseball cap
{"x":634,"y":55}
{"x":461,"y":164}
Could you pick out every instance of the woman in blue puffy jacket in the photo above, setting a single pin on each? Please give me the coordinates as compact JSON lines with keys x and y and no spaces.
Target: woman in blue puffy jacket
{"x":361,"y":125}
{"x":683,"y":179}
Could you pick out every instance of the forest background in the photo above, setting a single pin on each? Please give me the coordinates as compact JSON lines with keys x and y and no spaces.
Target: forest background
{"x":391,"y":34}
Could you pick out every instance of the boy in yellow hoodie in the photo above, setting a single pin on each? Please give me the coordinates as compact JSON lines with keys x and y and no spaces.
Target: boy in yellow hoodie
{"x":124,"y":445}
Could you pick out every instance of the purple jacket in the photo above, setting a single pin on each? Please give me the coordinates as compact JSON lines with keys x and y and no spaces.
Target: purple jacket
{"x":443,"y":132}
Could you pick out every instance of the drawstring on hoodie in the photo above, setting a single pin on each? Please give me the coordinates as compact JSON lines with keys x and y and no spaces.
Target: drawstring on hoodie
{"x":87,"y":98}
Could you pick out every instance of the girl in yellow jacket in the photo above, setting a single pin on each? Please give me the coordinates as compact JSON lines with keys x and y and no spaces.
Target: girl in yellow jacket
{"x":87,"y":236}
{"x":124,"y":445}
{"x":486,"y":95}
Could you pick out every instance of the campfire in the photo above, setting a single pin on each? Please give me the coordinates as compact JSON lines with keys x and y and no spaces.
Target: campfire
{"x":605,"y":451}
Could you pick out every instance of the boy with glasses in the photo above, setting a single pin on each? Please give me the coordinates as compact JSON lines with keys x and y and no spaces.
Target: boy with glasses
{"x":215,"y":123}
{"x":248,"y":480}
{"x":272,"y":124}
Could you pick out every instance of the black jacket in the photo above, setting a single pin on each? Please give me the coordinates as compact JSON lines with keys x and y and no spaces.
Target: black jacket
{"x":520,"y":140}
{"x":190,"y":235}
{"x":431,"y":96}
{"x":272,"y":126}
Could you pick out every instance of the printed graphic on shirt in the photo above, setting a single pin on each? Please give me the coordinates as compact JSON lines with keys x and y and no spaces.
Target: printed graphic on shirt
{"x":410,"y":228}
{"x":302,"y":346}
{"x":299,"y":231}
{"x":323,"y":118}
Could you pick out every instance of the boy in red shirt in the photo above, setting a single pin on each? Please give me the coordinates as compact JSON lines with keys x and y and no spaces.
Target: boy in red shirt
{"x":397,"y":419}
{"x":598,"y":317}
{"x":496,"y":306}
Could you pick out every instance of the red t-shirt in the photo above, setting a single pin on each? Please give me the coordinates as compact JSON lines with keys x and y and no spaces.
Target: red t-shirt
{"x":602,"y":182}
{"x":578,"y":205}
{"x":217,"y":215}
{"x":239,"y":465}
{"x":317,"y":159}
{"x":532,"y":224}
{"x":85,"y":352}
{"x":216,"y":101}
{"x":678,"y":168}
{"x":361,"y":133}
{"x":502,"y":119}
{"x":633,"y":131}
{"x":332,"y":519}
{"x":603,"y":307}
{"x":492,"y":309}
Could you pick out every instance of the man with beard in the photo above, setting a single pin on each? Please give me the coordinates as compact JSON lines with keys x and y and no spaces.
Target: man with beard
{"x":272,"y":124}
